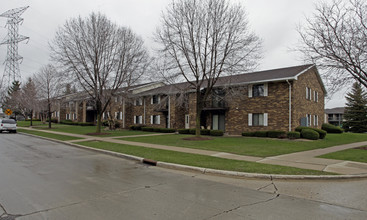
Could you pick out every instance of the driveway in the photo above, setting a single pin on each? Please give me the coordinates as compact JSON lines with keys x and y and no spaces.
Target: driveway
{"x":41,"y":179}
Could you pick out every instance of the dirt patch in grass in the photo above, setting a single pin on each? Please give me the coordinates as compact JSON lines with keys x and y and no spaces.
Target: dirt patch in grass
{"x":97,"y":134}
{"x":197,"y":138}
{"x":362,"y":148}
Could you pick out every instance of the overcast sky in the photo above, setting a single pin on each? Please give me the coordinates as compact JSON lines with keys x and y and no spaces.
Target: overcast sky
{"x":273,"y":21}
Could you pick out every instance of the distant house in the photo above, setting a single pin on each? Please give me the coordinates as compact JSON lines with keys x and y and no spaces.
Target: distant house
{"x":335,"y":115}
{"x":278,"y":99}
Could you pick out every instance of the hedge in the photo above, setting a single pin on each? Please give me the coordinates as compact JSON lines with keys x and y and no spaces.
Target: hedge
{"x":136,"y":127}
{"x":276,"y":134}
{"x":69,"y":122}
{"x":161,"y":130}
{"x":248,"y":134}
{"x":216,"y":133}
{"x":294,"y":135}
{"x":183,"y":131}
{"x":261,"y":133}
{"x":34,"y":119}
{"x":332,"y":128}
{"x":310,"y":134}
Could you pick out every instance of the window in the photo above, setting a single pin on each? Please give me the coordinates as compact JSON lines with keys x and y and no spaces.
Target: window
{"x":74,"y":116}
{"x":155,"y":99}
{"x":258,"y":90}
{"x":315,"y":120}
{"x":138,"y":119}
{"x":105,"y":116}
{"x":155,"y":120}
{"x":67,"y":116}
{"x":258,"y":119}
{"x":138,"y":101}
{"x":308,"y":116}
{"x":308,"y":93}
{"x":316,"y":96}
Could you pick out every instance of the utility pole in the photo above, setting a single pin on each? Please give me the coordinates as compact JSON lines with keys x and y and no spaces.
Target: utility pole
{"x":12,"y":72}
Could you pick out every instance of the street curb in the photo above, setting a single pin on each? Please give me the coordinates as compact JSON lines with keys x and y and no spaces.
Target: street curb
{"x":209,"y":170}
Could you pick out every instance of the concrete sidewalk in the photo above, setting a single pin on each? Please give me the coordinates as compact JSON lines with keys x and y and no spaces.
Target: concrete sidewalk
{"x":304,"y":160}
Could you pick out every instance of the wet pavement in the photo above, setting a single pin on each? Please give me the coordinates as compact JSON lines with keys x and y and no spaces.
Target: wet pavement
{"x":41,"y":179}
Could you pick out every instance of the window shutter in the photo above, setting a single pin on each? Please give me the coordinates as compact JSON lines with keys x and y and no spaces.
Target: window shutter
{"x":120,"y":115}
{"x":135,"y":102}
{"x":151,"y":119}
{"x":151,"y":100}
{"x":134,"y":119}
{"x":159,"y":119}
{"x":265,"y":119}
{"x":317,"y":97}
{"x":250,"y":119}
{"x":159,"y":99}
{"x":140,"y":119}
{"x":249,"y":91}
{"x":265,"y":89}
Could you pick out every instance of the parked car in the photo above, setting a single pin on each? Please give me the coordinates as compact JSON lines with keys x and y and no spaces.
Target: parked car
{"x":8,"y":125}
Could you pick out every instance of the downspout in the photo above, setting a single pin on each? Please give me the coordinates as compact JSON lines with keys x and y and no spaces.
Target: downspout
{"x":290,"y":105}
{"x":169,"y":112}
{"x":144,"y":111}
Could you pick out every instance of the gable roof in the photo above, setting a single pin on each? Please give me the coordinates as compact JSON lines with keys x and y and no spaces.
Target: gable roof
{"x":274,"y":75}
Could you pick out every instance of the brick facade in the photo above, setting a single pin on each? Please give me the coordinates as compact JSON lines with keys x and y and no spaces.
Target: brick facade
{"x":273,"y":105}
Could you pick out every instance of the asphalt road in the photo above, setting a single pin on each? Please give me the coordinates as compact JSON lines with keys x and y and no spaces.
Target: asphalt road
{"x":41,"y":179}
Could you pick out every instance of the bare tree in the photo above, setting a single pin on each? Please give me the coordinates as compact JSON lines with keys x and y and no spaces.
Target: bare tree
{"x":49,"y":85}
{"x":101,"y":56}
{"x":335,"y":38}
{"x":29,"y":99}
{"x":203,"y":40}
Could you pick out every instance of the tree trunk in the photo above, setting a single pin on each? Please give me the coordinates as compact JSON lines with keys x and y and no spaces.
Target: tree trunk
{"x":49,"y":115}
{"x":31,"y":118}
{"x":99,"y":116}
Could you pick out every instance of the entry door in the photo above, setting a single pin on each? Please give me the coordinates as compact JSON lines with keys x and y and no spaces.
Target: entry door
{"x":187,"y":121}
{"x":219,"y":122}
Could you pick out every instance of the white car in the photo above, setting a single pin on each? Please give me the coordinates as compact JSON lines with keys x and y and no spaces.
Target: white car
{"x":8,"y":125}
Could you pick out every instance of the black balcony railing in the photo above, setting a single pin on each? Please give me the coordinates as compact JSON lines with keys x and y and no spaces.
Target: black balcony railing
{"x":215,"y":105}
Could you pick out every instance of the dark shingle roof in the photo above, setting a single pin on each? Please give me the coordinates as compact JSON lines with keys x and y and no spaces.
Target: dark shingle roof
{"x":338,"y":110}
{"x":282,"y":74}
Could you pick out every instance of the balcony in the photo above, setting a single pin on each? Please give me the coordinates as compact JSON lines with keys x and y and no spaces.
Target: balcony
{"x":214,"y":105}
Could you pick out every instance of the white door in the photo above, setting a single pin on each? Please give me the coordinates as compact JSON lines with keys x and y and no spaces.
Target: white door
{"x":215,"y":122}
{"x":187,"y":121}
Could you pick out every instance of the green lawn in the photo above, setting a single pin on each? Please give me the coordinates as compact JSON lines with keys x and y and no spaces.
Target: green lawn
{"x":28,"y":123}
{"x":83,"y":129}
{"x":49,"y":135}
{"x":357,"y":155}
{"x":261,"y":147}
{"x":200,"y":160}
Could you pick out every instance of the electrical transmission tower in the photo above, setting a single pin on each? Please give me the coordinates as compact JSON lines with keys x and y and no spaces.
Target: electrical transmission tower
{"x":12,"y":72}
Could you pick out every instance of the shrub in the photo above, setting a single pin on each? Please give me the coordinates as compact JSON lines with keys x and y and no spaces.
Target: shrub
{"x":183,"y":131}
{"x":147,"y":129}
{"x":85,"y":124}
{"x":136,"y":127}
{"x":105,"y":123}
{"x":261,"y":133}
{"x":167,"y":130}
{"x":205,"y":132}
{"x":329,"y":128}
{"x":34,"y":119}
{"x":299,"y":128}
{"x":156,"y":129}
{"x":53,"y":120}
{"x":276,"y":134}
{"x":293,"y":135}
{"x":192,"y":131}
{"x":216,"y":133}
{"x":248,"y":134}
{"x":310,"y":134}
{"x":322,"y":133}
